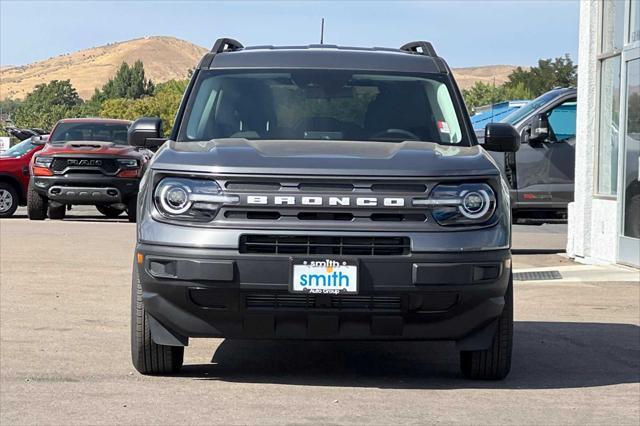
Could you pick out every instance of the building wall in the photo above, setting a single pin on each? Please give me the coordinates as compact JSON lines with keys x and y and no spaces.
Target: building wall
{"x":587,"y":214}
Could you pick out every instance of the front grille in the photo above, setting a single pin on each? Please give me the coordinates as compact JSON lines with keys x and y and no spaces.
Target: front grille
{"x":108,"y":165}
{"x":313,"y":301}
{"x":303,"y":244}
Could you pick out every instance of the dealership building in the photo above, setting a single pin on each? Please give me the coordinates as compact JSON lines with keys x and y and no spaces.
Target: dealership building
{"x":604,"y":219}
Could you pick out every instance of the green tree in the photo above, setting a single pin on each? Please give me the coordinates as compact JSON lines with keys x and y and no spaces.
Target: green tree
{"x":481,"y":94}
{"x":48,"y":103}
{"x":550,"y":73}
{"x":163,"y":104}
{"x":129,"y":83}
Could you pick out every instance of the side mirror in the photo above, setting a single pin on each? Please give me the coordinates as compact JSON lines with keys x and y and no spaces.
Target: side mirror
{"x":501,"y":137}
{"x":39,"y":140}
{"x":540,"y":128}
{"x":146,"y":132}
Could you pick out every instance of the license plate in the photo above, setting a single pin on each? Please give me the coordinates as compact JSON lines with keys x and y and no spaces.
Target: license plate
{"x":324,"y":276}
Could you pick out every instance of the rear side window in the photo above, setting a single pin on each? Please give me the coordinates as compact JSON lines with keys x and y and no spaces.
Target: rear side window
{"x":82,"y":131}
{"x":321,"y":105}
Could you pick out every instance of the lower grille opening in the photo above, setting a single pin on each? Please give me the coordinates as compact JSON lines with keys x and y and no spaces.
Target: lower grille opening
{"x":312,"y":301}
{"x":301,"y":244}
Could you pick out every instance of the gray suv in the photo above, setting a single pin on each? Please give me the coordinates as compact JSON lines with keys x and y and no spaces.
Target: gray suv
{"x":323,"y":193}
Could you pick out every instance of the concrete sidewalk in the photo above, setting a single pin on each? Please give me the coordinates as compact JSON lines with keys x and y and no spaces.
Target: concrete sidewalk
{"x":576,"y":272}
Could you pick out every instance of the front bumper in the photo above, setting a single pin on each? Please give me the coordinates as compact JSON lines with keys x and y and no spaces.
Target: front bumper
{"x":195,"y":292}
{"x":86,"y":188}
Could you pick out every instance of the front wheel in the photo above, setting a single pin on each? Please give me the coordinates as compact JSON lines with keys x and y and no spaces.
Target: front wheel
{"x":8,"y":200}
{"x":36,"y":204}
{"x":132,"y":209}
{"x":57,"y":212}
{"x":148,"y":357}
{"x":493,"y":363}
{"x":109,"y":211}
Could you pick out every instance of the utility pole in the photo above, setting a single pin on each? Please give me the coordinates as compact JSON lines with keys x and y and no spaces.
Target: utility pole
{"x":322,"y":31}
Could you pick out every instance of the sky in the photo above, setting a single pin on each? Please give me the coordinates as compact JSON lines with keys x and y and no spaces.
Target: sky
{"x":465,"y":33}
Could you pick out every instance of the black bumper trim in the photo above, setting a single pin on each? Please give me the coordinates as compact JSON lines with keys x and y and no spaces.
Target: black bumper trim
{"x":222,"y":293}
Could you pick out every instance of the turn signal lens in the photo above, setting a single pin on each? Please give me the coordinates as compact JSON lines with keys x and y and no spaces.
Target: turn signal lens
{"x":41,"y":171}
{"x":128,"y":173}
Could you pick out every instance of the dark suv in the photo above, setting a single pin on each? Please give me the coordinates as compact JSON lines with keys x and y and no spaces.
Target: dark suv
{"x":86,"y":161}
{"x":323,"y":192}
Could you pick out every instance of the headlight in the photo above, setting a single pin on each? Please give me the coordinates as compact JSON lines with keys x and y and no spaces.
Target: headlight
{"x":43,"y":161}
{"x":190,"y":199}
{"x":471,"y":203}
{"x":127,"y":163}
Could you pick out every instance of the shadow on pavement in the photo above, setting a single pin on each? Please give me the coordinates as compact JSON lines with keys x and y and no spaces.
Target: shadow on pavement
{"x":547,"y":355}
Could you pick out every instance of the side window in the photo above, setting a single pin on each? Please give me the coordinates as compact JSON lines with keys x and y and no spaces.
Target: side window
{"x":562,"y":121}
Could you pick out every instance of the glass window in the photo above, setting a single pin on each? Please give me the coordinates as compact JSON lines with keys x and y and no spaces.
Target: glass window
{"x":632,"y":153}
{"x":612,"y":25}
{"x":19,"y":149}
{"x":634,"y":23}
{"x":562,"y":121}
{"x":87,"y":131}
{"x":321,"y":104}
{"x":529,"y":108}
{"x":608,"y":124}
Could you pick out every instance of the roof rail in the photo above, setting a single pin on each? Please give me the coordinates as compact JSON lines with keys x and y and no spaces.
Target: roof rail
{"x":226,"y":45}
{"x":420,"y":48}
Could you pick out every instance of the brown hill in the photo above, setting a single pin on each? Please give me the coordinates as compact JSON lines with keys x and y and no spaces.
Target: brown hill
{"x":164,"y":58}
{"x":467,"y":77}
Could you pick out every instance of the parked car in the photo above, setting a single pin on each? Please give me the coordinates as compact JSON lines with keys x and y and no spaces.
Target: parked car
{"x":86,"y":161}
{"x":323,"y":193}
{"x":541,"y":174}
{"x":14,"y":169}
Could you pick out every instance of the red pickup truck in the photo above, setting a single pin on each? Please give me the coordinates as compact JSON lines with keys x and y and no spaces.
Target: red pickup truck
{"x":86,"y":161}
{"x":14,"y":169}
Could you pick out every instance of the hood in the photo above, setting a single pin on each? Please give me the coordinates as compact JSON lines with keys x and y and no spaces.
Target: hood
{"x":312,"y":157}
{"x":89,"y":148}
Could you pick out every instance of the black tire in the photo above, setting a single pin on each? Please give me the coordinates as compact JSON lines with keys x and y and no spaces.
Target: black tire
{"x":57,"y":212}
{"x":493,"y":363}
{"x":109,"y":211}
{"x":132,"y":209}
{"x":8,"y":199}
{"x":36,"y":204}
{"x":148,"y":357}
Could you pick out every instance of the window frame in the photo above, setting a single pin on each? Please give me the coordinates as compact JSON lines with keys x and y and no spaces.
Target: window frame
{"x":601,"y":57}
{"x":467,"y":134}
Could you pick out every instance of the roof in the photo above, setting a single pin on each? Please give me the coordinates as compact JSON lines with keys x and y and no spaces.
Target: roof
{"x":95,"y":120}
{"x":325,"y":57}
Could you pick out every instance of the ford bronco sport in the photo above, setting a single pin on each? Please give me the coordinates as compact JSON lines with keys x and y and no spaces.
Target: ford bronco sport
{"x":86,"y":161}
{"x":323,"y":192}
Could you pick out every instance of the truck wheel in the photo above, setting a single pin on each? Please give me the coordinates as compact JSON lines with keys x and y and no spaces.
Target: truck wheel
{"x":36,"y":204}
{"x":148,"y":357}
{"x":132,"y":209}
{"x":57,"y":212}
{"x":109,"y":211}
{"x":8,"y":200}
{"x":493,"y":363}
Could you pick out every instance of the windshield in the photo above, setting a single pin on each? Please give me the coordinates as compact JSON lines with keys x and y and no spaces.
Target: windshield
{"x":523,"y":112}
{"x":83,"y":131}
{"x":19,"y":149}
{"x":320,"y":105}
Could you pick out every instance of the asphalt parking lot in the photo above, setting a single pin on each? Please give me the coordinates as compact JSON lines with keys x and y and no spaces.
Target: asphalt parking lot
{"x":64,"y":351}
